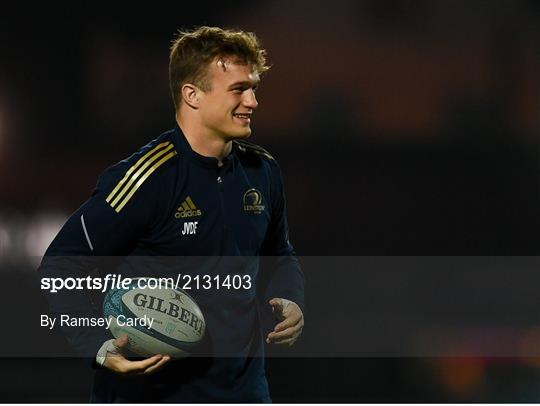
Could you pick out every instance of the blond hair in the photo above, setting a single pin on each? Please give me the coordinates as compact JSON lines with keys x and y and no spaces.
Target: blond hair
{"x":192,"y":51}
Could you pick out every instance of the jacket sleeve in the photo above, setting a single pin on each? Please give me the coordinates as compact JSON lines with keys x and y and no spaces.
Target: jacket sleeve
{"x":285,"y":278}
{"x":95,"y":231}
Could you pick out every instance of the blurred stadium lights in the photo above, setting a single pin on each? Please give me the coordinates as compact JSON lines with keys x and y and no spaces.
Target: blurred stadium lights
{"x":23,"y":239}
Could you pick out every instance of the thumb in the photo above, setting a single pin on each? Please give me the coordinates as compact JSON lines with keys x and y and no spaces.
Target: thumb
{"x":277,"y":305}
{"x":121,"y":342}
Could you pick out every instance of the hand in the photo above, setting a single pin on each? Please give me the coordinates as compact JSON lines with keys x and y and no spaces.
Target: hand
{"x":116,"y":362}
{"x":292,"y":322}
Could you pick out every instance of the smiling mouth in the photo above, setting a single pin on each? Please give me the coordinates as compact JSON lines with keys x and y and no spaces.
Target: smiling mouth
{"x":243,"y":116}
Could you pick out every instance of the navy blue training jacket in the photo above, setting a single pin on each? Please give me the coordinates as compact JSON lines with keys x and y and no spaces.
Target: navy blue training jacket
{"x":166,"y":200}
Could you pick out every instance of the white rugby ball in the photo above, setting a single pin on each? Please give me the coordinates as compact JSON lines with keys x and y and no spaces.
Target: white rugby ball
{"x":163,"y":321}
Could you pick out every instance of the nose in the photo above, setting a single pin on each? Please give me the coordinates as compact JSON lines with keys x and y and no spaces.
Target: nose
{"x":250,"y":101}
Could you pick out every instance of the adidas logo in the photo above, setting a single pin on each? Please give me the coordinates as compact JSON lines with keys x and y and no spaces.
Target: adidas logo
{"x":187,"y":209}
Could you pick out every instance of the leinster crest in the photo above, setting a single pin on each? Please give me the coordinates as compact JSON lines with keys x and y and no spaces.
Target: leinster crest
{"x":253,"y":201}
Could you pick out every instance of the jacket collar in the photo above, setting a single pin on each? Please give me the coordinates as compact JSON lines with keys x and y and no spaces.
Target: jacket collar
{"x":209,"y":162}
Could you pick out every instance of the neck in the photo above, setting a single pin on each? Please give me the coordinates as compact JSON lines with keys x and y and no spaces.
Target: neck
{"x":204,"y":143}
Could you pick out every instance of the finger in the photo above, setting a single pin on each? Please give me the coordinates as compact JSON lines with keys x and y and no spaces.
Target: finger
{"x":283,"y":334}
{"x":292,"y":332}
{"x":140,"y":366}
{"x":155,"y":368}
{"x":290,"y":321}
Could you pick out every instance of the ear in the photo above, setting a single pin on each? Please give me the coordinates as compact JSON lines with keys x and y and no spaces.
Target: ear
{"x":191,"y":95}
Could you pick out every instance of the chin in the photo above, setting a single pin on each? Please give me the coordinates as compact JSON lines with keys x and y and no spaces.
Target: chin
{"x":241,"y":134}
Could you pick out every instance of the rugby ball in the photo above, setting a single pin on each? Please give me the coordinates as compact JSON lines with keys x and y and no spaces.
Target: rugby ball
{"x":160,"y":320}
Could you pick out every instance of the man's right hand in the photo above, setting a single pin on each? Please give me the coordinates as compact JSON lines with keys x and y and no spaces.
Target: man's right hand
{"x":116,"y":362}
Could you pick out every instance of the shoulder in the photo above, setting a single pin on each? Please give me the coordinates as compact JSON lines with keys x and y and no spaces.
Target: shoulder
{"x":263,"y":162}
{"x":139,"y":173}
{"x":151,"y":156}
{"x":253,"y":153}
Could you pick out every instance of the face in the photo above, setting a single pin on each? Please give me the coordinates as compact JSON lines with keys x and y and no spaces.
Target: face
{"x":226,"y":108}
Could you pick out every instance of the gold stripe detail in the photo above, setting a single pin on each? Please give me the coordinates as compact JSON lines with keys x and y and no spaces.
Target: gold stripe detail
{"x":144,"y":177}
{"x":130,"y":171}
{"x":139,"y":173}
{"x":190,"y":202}
{"x":185,"y":206}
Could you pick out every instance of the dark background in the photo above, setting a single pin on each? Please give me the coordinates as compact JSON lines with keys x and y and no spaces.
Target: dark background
{"x":402,"y":128}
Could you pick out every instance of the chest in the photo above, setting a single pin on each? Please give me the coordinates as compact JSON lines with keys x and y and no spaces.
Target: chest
{"x":225,"y":211}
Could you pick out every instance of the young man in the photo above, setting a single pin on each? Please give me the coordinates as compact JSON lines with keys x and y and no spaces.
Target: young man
{"x":197,"y":190}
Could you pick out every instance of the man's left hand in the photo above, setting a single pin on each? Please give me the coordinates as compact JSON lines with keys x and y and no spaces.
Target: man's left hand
{"x":287,"y":331}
